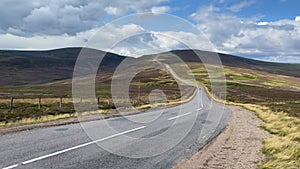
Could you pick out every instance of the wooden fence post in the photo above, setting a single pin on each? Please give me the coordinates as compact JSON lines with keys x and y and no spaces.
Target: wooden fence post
{"x":11,"y":104}
{"x":139,"y":92}
{"x":40,"y":103}
{"x":60,"y":104}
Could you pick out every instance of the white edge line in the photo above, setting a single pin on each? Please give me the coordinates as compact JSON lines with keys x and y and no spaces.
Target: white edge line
{"x":176,"y":117}
{"x":74,"y":148}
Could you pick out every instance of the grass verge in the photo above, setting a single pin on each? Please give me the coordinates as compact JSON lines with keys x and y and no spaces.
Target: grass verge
{"x":283,"y":148}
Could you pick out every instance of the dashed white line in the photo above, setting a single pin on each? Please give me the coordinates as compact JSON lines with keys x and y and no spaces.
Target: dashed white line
{"x":200,"y":108}
{"x":201,"y":98}
{"x":176,"y":117}
{"x":12,"y":166}
{"x":73,"y":148}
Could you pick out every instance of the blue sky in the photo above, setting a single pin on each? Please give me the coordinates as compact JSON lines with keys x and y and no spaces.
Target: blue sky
{"x":269,"y":10}
{"x":260,"y":29}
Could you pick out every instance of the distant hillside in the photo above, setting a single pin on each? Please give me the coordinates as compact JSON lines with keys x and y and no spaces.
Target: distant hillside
{"x":240,"y":62}
{"x":38,"y":67}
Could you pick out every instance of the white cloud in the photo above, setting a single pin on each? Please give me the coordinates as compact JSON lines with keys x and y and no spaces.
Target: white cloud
{"x":133,"y":40}
{"x":286,"y":59}
{"x":160,"y":9}
{"x":262,"y":23}
{"x":297,"y":19}
{"x":130,"y":40}
{"x":240,"y":36}
{"x":157,"y":42}
{"x":52,"y":17}
{"x":241,"y":5}
{"x":109,"y":35}
{"x":9,"y":41}
{"x":112,"y":10}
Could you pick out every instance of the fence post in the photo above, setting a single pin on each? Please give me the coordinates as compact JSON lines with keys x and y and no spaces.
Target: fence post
{"x":11,"y":104}
{"x":139,"y":92}
{"x":60,"y":104}
{"x":40,"y":103}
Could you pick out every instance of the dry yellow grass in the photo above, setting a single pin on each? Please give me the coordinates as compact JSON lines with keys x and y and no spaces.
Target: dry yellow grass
{"x":48,"y":118}
{"x":38,"y":120}
{"x":283,"y":148}
{"x":94,"y":112}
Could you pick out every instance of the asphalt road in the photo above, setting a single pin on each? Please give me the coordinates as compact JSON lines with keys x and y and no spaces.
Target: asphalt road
{"x":183,"y":129}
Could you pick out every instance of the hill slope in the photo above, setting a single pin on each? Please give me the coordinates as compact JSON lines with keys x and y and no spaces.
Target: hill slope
{"x":240,"y":62}
{"x":38,"y":67}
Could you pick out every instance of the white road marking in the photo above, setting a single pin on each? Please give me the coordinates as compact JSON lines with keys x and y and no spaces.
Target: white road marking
{"x":201,"y":98}
{"x":176,"y":117}
{"x":12,"y":166}
{"x":73,"y":148}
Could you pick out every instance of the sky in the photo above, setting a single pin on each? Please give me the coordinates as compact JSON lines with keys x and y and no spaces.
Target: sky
{"x":267,"y":30}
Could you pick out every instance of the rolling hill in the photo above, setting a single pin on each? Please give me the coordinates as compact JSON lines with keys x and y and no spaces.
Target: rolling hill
{"x":37,"y":67}
{"x":240,"y":62}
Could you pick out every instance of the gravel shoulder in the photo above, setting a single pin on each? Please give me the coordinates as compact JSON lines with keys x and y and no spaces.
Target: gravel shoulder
{"x":238,"y":146}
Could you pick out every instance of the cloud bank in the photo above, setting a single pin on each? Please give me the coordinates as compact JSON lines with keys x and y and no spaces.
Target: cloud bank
{"x":52,"y":17}
{"x":245,"y":36}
